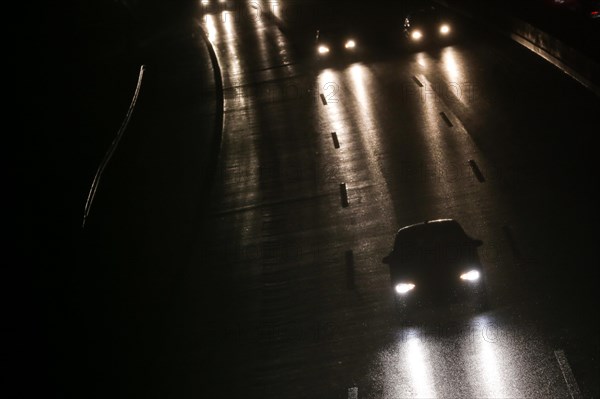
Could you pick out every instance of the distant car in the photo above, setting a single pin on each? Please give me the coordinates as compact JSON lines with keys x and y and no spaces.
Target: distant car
{"x":592,"y":9}
{"x":435,"y":263}
{"x":428,"y":25}
{"x":337,"y":43}
{"x":583,"y":8}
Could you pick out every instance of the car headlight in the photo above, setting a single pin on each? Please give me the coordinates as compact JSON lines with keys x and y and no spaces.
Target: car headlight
{"x":323,"y":49}
{"x":444,"y":29}
{"x":350,"y":44}
{"x":472,"y":275}
{"x":404,"y":288}
{"x":416,"y":35}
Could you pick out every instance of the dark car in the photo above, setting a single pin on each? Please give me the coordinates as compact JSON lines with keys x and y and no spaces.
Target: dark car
{"x":428,"y":25}
{"x":589,"y":9}
{"x":337,"y":43}
{"x":435,"y":263}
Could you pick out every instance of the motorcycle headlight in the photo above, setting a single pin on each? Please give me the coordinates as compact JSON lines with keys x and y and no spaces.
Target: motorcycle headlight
{"x":404,"y":288}
{"x":416,"y":35}
{"x":350,"y":44}
{"x":472,"y":275}
{"x":444,"y":29}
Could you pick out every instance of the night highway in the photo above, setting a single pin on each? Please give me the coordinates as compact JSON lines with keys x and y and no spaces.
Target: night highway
{"x":253,"y":268}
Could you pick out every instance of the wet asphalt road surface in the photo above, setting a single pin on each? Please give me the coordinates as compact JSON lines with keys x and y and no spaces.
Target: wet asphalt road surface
{"x":286,"y":295}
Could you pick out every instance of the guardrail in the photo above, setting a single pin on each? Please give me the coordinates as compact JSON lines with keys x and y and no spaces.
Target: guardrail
{"x":572,"y":62}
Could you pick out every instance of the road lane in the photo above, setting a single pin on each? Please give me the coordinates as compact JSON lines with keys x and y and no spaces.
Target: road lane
{"x":293,"y":288}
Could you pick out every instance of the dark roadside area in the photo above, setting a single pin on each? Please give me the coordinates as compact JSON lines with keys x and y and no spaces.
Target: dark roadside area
{"x":573,"y":22}
{"x":89,"y":319}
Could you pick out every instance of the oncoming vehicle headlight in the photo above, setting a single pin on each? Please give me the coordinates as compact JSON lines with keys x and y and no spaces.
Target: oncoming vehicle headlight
{"x":404,"y":288}
{"x":472,"y":275}
{"x":416,"y":35}
{"x":323,"y":49}
{"x":350,"y":44}
{"x":444,"y":29}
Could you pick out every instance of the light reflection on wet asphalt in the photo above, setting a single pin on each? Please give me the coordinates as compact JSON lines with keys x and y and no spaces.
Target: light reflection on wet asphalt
{"x":491,"y":355}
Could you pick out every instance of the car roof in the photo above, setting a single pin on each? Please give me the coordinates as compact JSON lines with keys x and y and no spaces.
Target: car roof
{"x":424,"y":13}
{"x":434,"y":230}
{"x":430,"y":224}
{"x":335,"y":31}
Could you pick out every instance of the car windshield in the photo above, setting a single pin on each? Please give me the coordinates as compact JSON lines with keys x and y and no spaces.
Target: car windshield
{"x":430,"y":244}
{"x":425,"y":234}
{"x":333,"y":34}
{"x":424,"y":17}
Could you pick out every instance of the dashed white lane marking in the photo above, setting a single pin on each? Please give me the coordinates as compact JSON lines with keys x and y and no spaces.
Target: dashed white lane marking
{"x":563,"y":363}
{"x":476,"y":171}
{"x":323,"y":99}
{"x":336,"y":142}
{"x":344,"y":195}
{"x":446,"y":119}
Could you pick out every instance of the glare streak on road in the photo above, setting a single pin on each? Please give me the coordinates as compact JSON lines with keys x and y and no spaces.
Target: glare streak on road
{"x":209,"y":23}
{"x":418,"y":365}
{"x":232,"y":42}
{"x":359,"y":79}
{"x":334,"y":115}
{"x":260,"y":175}
{"x":337,"y":116}
{"x":451,"y":65}
{"x":404,"y":369}
{"x":268,"y":8}
{"x":239,"y":176}
{"x":457,"y":85}
{"x":447,"y":170}
{"x":490,"y":381}
{"x":352,"y":116}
